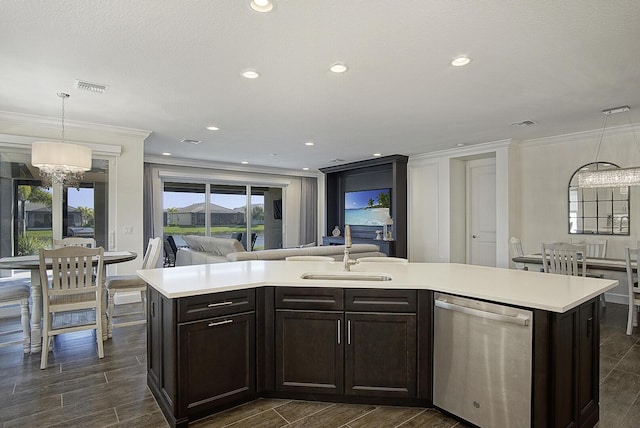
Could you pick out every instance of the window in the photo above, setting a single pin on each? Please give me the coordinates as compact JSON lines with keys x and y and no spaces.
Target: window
{"x":28,"y":224}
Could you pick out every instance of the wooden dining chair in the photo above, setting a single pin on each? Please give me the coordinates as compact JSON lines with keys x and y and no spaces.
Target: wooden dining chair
{"x":17,"y":294}
{"x":596,"y":249}
{"x":74,"y":242}
{"x":73,"y":286}
{"x":515,"y":248}
{"x":562,"y":258}
{"x":631,"y":257}
{"x":131,"y":283}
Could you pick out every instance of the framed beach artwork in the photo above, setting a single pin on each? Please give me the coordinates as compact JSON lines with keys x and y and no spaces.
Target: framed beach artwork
{"x":367,"y":207}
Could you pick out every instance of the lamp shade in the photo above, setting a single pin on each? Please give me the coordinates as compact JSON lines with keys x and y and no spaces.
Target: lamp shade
{"x":618,"y":177}
{"x":63,"y":156}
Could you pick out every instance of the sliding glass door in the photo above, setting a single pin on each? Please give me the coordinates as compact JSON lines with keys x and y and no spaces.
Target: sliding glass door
{"x":229,"y":213}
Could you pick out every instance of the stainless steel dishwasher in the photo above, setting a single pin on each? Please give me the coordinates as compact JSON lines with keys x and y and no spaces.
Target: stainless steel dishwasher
{"x":482,"y":361}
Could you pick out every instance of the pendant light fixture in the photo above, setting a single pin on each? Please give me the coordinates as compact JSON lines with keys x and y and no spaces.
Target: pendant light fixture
{"x":60,"y":162}
{"x":617,"y":177}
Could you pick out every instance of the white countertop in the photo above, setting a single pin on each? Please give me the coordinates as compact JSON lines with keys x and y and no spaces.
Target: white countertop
{"x":555,"y":293}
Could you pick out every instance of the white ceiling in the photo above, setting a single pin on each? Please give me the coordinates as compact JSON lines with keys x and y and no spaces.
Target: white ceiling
{"x":173,"y":67}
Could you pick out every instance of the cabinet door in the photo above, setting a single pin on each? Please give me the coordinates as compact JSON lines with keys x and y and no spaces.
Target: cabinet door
{"x":217,"y":362}
{"x":309,"y":351}
{"x":380,"y":354}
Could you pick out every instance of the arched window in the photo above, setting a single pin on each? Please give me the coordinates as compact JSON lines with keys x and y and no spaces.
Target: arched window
{"x":599,"y":211}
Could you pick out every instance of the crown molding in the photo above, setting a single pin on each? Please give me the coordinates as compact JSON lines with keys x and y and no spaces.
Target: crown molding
{"x":471,"y":150}
{"x":225,"y":166}
{"x":582,"y":136}
{"x":20,"y":119}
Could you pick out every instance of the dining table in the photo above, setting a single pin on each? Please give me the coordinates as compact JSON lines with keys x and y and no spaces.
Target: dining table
{"x":593,"y":263}
{"x":32,"y":263}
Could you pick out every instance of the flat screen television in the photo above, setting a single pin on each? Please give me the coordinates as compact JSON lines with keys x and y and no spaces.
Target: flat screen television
{"x":367,"y":207}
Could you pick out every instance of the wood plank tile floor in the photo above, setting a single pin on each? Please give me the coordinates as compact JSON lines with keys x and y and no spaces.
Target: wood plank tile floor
{"x":80,"y":390}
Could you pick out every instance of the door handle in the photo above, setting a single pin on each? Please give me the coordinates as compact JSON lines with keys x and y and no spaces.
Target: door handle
{"x":474,"y":236}
{"x":338,"y":332}
{"x":349,"y":332}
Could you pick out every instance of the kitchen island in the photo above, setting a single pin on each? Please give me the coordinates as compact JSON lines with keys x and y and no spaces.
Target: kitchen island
{"x":222,"y":334}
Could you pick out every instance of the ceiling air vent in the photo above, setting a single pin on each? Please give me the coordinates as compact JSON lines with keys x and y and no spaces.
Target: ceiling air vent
{"x":187,"y":140}
{"x":96,"y":88}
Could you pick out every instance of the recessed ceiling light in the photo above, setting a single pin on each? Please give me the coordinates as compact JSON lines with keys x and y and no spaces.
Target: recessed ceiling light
{"x":460,"y":61}
{"x":377,"y":154}
{"x":460,"y":144}
{"x":213,"y":128}
{"x":250,"y":74}
{"x":166,"y":154}
{"x":187,"y":140}
{"x":305,"y":169}
{"x":309,"y":143}
{"x":338,"y":67}
{"x":244,"y":162}
{"x":261,"y":6}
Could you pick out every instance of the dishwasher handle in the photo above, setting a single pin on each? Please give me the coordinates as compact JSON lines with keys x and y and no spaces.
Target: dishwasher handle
{"x":519,"y":319}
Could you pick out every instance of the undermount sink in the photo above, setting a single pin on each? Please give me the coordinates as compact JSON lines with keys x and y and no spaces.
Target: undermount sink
{"x":347,"y":276}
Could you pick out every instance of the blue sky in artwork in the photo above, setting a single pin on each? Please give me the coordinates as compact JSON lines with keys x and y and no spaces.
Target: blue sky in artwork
{"x":356,"y":200}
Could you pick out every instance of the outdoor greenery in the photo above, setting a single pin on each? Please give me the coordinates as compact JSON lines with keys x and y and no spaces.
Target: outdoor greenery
{"x":383,"y":201}
{"x":31,"y":244}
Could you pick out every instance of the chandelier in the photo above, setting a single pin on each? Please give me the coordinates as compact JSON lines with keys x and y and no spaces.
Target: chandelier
{"x":617,"y":177}
{"x":60,"y":162}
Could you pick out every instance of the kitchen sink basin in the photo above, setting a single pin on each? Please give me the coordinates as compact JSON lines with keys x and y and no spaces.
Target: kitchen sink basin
{"x":347,"y":276}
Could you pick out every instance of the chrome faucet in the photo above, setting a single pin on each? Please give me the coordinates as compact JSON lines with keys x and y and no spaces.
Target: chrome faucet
{"x":347,"y":245}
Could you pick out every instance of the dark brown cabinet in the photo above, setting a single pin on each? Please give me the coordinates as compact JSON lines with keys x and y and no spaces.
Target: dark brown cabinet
{"x":380,"y":356}
{"x":201,"y":352}
{"x":566,"y":367}
{"x":309,"y":351}
{"x":217,"y":361}
{"x":210,"y":352}
{"x":321,"y":349}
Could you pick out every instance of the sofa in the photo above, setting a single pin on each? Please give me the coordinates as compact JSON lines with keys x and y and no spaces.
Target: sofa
{"x":206,"y":249}
{"x":210,"y":249}
{"x":335,"y":251}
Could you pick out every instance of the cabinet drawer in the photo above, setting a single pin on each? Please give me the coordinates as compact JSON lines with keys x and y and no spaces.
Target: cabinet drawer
{"x":216,"y":304}
{"x":380,"y":300}
{"x":309,"y":298}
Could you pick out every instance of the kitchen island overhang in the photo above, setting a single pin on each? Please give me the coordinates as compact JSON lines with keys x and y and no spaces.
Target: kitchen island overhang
{"x":534,"y":290}
{"x":196,"y":310}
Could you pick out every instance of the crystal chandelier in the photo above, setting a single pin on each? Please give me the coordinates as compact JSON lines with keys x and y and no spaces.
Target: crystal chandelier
{"x":617,"y":177}
{"x":60,"y":162}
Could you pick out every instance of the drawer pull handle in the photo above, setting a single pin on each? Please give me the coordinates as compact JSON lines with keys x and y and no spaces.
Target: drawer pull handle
{"x":213,"y":324}
{"x":215,"y":305}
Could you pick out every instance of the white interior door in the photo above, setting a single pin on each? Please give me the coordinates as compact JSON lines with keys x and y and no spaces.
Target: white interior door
{"x":481,"y":212}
